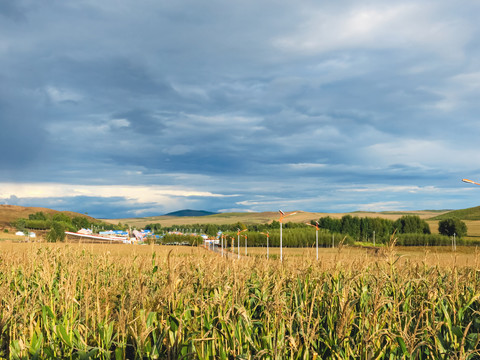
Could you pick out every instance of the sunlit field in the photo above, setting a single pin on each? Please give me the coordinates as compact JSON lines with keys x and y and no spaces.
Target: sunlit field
{"x":159,"y":302}
{"x":472,"y":225}
{"x":261,"y":218}
{"x":432,"y":256}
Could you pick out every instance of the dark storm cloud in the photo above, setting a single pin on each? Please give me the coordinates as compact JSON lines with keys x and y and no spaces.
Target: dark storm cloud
{"x":140,"y":121}
{"x":105,"y":77}
{"x":281,"y":103}
{"x":22,"y":138}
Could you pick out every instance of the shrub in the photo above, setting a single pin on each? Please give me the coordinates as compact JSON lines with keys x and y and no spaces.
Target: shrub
{"x":452,"y":226}
{"x":415,"y":239}
{"x":56,"y":233}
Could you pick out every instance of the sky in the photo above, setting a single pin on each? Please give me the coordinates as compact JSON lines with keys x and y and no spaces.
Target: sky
{"x":127,"y":108}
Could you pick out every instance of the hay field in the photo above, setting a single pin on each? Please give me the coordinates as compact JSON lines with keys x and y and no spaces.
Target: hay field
{"x":473,"y":227}
{"x":300,"y":217}
{"x":82,"y":301}
{"x":431,"y":256}
{"x":260,"y":218}
{"x":10,"y":237}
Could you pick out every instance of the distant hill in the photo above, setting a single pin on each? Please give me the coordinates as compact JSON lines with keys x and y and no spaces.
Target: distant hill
{"x":10,"y":213}
{"x":462,"y":214}
{"x":251,"y":218}
{"x":189,"y":212}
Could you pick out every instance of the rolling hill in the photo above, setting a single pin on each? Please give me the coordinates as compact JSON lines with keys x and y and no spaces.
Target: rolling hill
{"x":10,"y":213}
{"x":188,"y":212}
{"x":249,"y":218}
{"x":462,"y":214}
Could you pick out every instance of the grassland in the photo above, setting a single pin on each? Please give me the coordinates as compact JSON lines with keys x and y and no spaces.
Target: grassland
{"x":10,"y":237}
{"x":431,"y":216}
{"x":10,"y":213}
{"x":155,"y":302}
{"x":261,"y":217}
{"x":472,"y":225}
{"x":463,"y":214}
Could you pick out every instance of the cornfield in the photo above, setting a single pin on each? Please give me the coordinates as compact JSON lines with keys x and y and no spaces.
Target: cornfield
{"x":113,"y":302}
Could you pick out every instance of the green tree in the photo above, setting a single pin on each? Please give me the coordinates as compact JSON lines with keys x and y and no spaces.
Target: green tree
{"x":452,"y":226}
{"x":351,"y":226}
{"x":333,"y":225}
{"x":39,"y":215}
{"x":62,"y":217}
{"x":412,"y":224}
{"x":21,"y":224}
{"x":211,"y":230}
{"x":37,"y":224}
{"x":239,"y":225}
{"x":156,"y":227}
{"x":56,"y":232}
{"x":80,"y":222}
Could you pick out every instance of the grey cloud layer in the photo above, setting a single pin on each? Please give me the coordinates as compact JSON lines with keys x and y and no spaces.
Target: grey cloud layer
{"x":251,"y":97}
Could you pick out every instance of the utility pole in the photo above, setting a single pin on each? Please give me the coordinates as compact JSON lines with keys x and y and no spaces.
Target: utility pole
{"x":268,"y":235}
{"x":221,"y":243}
{"x":245,"y":244}
{"x":238,"y":240}
{"x":316,"y":235}
{"x":282,"y":215}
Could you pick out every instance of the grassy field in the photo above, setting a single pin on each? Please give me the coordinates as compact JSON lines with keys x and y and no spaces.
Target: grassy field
{"x":83,"y":301}
{"x":431,"y":256}
{"x":10,"y":237}
{"x":472,"y":225}
{"x":300,"y":217}
{"x":261,"y":218}
{"x":464,"y":214}
{"x":219,"y":219}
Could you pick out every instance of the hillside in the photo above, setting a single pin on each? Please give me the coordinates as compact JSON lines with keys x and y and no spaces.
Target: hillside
{"x":249,"y":218}
{"x":462,"y":214}
{"x":10,"y":213}
{"x":188,"y":212}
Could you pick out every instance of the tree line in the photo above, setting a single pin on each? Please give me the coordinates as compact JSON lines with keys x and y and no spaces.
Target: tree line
{"x":364,"y":228}
{"x":213,"y":229}
{"x":408,"y":229}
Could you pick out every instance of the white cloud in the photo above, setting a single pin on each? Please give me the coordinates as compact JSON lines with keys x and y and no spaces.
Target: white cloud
{"x":236,"y":210}
{"x":191,"y":91}
{"x":424,"y":154}
{"x":456,"y":92}
{"x":378,"y":26}
{"x":119,"y":123}
{"x":306,"y":166}
{"x":138,"y":193}
{"x":392,"y":189}
{"x":227,"y":120}
{"x":274,"y":203}
{"x":57,"y":94}
{"x":382,"y":206}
